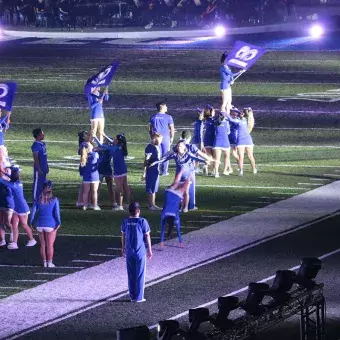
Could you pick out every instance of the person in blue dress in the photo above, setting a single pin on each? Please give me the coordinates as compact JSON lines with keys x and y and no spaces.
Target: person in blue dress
{"x":135,"y":233}
{"x":245,"y":125}
{"x":21,"y":209}
{"x":89,"y":169}
{"x":163,"y":124}
{"x":227,"y":79}
{"x":4,"y":125}
{"x":40,"y":167}
{"x":95,"y":99}
{"x":222,"y":144}
{"x":118,"y":152}
{"x":197,"y":138}
{"x":47,"y":224}
{"x":151,"y":174}
{"x":233,"y":135}
{"x":173,"y":196}
{"x":209,"y":133}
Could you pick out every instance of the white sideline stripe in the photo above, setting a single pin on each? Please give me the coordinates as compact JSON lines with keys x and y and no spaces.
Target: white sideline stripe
{"x":3,"y":295}
{"x":86,"y":261}
{"x":315,"y":184}
{"x":36,"y":281}
{"x":23,"y":266}
{"x":12,"y":287}
{"x":272,"y":198}
{"x":285,"y":193}
{"x":52,"y":274}
{"x":212,"y":216}
{"x":331,"y":175}
{"x":114,"y":248}
{"x":103,"y":255}
{"x":200,"y":221}
{"x":320,"y":179}
{"x":189,"y":227}
{"x":241,"y":290}
{"x":257,"y":202}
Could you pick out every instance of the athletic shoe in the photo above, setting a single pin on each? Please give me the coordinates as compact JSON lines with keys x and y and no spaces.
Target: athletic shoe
{"x":148,"y":26}
{"x":13,"y":246}
{"x":217,"y":175}
{"x":84,"y":207}
{"x":31,"y":243}
{"x":194,"y":208}
{"x":255,"y":171}
{"x":118,"y":208}
{"x":231,"y":171}
{"x":50,"y":265}
{"x":185,"y":210}
{"x":79,"y":205}
{"x":143,"y":300}
{"x":115,"y":205}
{"x":90,"y":206}
{"x":226,"y":173}
{"x":213,"y":173}
{"x":173,"y":24}
{"x":154,"y":208}
{"x":165,"y":174}
{"x":45,"y":264}
{"x":240,"y":173}
{"x":96,"y":207}
{"x":205,"y":170}
{"x":2,"y":243}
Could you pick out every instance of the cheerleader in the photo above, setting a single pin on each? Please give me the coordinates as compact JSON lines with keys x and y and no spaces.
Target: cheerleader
{"x":233,"y":135}
{"x":47,"y":224}
{"x":245,"y":125}
{"x":197,"y":139}
{"x":170,"y":213}
{"x":209,"y":135}
{"x":151,"y":174}
{"x":4,"y":121}
{"x":90,"y":174}
{"x":222,"y":144}
{"x":119,"y":152}
{"x":95,"y":99}
{"x":21,"y":209}
{"x":227,"y":79}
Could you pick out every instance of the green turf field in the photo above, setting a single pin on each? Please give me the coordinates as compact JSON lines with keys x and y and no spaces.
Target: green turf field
{"x":290,"y":161}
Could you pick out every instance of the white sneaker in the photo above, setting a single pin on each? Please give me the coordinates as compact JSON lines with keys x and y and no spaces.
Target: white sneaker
{"x":45,"y":264}
{"x":50,"y":265}
{"x":118,"y":208}
{"x":13,"y":246}
{"x":217,"y":175}
{"x":226,"y":173}
{"x":115,"y":205}
{"x":148,"y":26}
{"x":2,"y":243}
{"x":154,"y":208}
{"x":185,"y":210}
{"x":90,"y":206}
{"x":194,"y":208}
{"x":255,"y":171}
{"x":96,"y":207}
{"x":173,"y":24}
{"x":31,"y":243}
{"x":84,"y":207}
{"x":79,"y":205}
{"x":240,"y":173}
{"x":138,"y":301}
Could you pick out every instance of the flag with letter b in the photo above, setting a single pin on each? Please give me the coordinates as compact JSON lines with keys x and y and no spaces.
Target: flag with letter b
{"x":7,"y":94}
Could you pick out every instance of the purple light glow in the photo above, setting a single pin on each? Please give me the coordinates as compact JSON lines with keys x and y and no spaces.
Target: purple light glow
{"x":316,"y":31}
{"x":220,"y":31}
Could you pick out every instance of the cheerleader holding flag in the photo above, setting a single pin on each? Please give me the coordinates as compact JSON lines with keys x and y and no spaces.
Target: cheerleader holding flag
{"x":95,"y":97}
{"x":243,"y":56}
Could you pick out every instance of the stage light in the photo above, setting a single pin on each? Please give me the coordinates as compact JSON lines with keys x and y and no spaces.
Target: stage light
{"x":134,"y":333}
{"x":256,"y":293}
{"x":220,"y":31}
{"x":282,"y":283}
{"x":316,"y":31}
{"x":167,"y":329}
{"x":308,"y":270}
{"x":196,"y":317}
{"x":225,"y":305}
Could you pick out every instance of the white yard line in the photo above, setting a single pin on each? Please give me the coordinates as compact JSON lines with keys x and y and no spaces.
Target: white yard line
{"x":241,"y":290}
{"x":103,"y":255}
{"x":320,"y":179}
{"x":13,"y":288}
{"x":86,"y":261}
{"x":334,"y":175}
{"x":114,"y":249}
{"x":35,"y":281}
{"x":24,"y":266}
{"x":314,"y":184}
{"x":52,"y":274}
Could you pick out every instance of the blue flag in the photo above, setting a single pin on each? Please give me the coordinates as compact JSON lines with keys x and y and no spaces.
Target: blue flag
{"x":7,"y":94}
{"x":102,"y":78}
{"x":244,"y":55}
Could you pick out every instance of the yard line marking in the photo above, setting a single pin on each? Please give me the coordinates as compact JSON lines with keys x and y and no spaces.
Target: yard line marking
{"x":331,"y":175}
{"x":257,"y":202}
{"x":114,"y":248}
{"x":315,"y":184}
{"x":212,"y":216}
{"x":320,"y":179}
{"x":52,"y":274}
{"x":37,"y":281}
{"x":87,"y":261}
{"x":241,"y":290}
{"x":3,"y":295}
{"x":189,"y":227}
{"x":201,"y":221}
{"x":12,"y":287}
{"x":103,"y":255}
{"x":24,"y":266}
{"x":271,"y":198}
{"x":285,"y":193}
{"x":337,"y":170}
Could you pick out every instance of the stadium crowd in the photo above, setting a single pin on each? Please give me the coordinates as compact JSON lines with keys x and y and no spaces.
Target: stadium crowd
{"x":145,"y":13}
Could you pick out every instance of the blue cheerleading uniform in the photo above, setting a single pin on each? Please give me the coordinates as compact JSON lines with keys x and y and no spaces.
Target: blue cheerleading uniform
{"x":104,"y":164}
{"x":48,"y":214}
{"x":171,"y":208}
{"x":134,"y":229}
{"x":39,"y":179}
{"x":209,"y":135}
{"x":226,"y":77}
{"x":243,"y":136}
{"x":118,"y":157}
{"x":222,"y":130}
{"x":198,"y":132}
{"x":20,"y":204}
{"x":160,"y":123}
{"x":97,"y":111}
{"x":152,"y":173}
{"x":90,"y":170}
{"x":233,"y":133}
{"x":3,"y":127}
{"x":81,"y":168}
{"x":6,"y":198}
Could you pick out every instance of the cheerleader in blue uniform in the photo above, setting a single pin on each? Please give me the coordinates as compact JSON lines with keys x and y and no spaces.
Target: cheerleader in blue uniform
{"x":170,"y":213}
{"x":118,"y":152}
{"x":151,"y":174}
{"x":95,"y":99}
{"x":90,"y":174}
{"x":48,"y":222}
{"x":21,"y":209}
{"x":233,"y":135}
{"x":245,"y":125}
{"x":4,"y":123}
{"x":209,"y":135}
{"x":222,"y":144}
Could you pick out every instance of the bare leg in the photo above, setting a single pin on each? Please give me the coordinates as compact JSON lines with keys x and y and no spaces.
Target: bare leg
{"x":217,"y":156}
{"x":94,"y":193}
{"x":86,"y":191}
{"x":101,"y":124}
{"x":227,"y":165}
{"x":80,"y":195}
{"x":240,"y":150}
{"x":251,"y":157}
{"x":42,"y":246}
{"x":28,"y":230}
{"x":94,"y":127}
{"x":151,"y":199}
{"x":50,"y":238}
{"x":119,"y":190}
{"x":15,"y":228}
{"x":127,"y":190}
{"x":111,"y":193}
